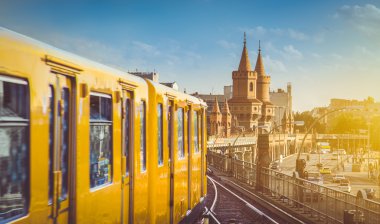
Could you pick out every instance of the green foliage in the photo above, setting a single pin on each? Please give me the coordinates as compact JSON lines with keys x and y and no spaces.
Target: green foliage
{"x":349,"y":123}
{"x":309,"y":120}
{"x":375,"y":132}
{"x":346,"y":123}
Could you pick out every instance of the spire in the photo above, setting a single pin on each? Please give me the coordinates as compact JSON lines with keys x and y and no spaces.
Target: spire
{"x":225,"y":109}
{"x":215,"y":108}
{"x":245,"y":64}
{"x":259,"y":64}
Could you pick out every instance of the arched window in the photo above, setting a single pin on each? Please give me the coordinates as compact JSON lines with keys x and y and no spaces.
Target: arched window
{"x":251,"y":86}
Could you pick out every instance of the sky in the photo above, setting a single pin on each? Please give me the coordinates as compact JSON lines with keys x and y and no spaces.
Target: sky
{"x":326,"y":49}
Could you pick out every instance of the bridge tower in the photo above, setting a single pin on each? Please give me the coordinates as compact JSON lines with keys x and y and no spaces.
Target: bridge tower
{"x":263,"y":83}
{"x":244,"y":104}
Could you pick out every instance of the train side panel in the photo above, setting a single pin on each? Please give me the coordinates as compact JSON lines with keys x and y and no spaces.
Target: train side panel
{"x":98,"y":180}
{"x":18,"y":62}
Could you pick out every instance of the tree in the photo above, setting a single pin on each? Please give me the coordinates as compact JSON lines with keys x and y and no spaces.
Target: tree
{"x":346,"y":122}
{"x":308,"y":119}
{"x":375,"y":132}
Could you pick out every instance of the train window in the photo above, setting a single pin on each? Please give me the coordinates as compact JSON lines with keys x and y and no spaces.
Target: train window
{"x":65,"y":142}
{"x":100,"y":139}
{"x":14,"y":148}
{"x":195,"y":132}
{"x":180,"y":120}
{"x":169,"y":119}
{"x":127,"y":131}
{"x":142,"y":137}
{"x":51,"y":142}
{"x":159,"y":135}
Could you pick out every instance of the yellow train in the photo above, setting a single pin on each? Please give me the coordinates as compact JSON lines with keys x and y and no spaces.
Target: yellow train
{"x":84,"y":143}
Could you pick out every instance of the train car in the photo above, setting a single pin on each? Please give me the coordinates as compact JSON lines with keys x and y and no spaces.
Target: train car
{"x":177,"y":167}
{"x":81,"y":142}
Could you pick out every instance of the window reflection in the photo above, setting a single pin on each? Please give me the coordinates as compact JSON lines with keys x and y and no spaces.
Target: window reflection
{"x":14,"y":148}
{"x":159,"y":135}
{"x":195,"y":133}
{"x":100,"y":140}
{"x":127,"y":127}
{"x":181,"y":150}
{"x":142,"y":138}
{"x":65,"y":142}
{"x":51,"y":142}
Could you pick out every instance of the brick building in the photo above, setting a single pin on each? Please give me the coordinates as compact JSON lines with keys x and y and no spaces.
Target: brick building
{"x":248,"y":100}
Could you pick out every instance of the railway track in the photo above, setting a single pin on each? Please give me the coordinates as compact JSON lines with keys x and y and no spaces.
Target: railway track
{"x":227,"y":204}
{"x":228,"y":207}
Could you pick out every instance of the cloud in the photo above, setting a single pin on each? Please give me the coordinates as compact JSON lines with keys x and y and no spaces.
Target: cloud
{"x":88,"y":48}
{"x":297,"y":35}
{"x":319,"y":38}
{"x":227,"y":45}
{"x":364,"y":18}
{"x":289,"y":32}
{"x":150,"y":49}
{"x":274,"y":66}
{"x":276,"y":31}
{"x":316,"y":56}
{"x":337,"y":56}
{"x":257,"y":31}
{"x":290,"y":51}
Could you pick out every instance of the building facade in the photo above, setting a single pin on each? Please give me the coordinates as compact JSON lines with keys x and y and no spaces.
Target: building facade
{"x":249,"y":101}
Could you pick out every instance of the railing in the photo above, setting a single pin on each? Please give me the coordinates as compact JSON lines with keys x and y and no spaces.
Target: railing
{"x":317,"y":202}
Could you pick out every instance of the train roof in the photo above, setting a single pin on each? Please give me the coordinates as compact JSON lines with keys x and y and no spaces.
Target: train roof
{"x":38,"y":46}
{"x":162,"y":88}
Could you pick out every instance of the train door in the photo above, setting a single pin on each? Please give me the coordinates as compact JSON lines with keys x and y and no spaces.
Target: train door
{"x":61,"y":163}
{"x":171,"y":158}
{"x":127,"y":158}
{"x":189,"y":157}
{"x":203,"y":150}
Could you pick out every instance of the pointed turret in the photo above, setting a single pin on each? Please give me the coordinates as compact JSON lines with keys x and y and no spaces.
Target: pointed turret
{"x":244,"y":103}
{"x":215,"y":108}
{"x":259,"y":64}
{"x":225,"y":109}
{"x":216,"y":119}
{"x":245,"y":64}
{"x":226,"y":119}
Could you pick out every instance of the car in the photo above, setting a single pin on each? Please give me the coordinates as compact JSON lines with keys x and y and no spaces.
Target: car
{"x":345,"y":181}
{"x":275,"y":166}
{"x":325,"y":170}
{"x":341,"y":151}
{"x":337,"y":178}
{"x":315,"y":177}
{"x":345,"y":187}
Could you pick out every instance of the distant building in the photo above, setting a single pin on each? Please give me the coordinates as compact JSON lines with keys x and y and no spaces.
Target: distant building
{"x":318,"y":112}
{"x":154,"y":77}
{"x":228,"y":92}
{"x":249,"y":101}
{"x":283,"y":107}
{"x":147,"y":75}
{"x":366,"y":108}
{"x":172,"y":85}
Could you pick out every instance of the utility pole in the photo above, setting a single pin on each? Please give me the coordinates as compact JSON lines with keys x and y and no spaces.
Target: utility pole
{"x":368,"y":147}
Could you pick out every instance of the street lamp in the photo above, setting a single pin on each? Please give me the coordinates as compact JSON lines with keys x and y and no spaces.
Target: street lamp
{"x":300,"y":164}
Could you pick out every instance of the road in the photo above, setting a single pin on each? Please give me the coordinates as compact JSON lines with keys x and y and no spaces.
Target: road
{"x":358,"y":180}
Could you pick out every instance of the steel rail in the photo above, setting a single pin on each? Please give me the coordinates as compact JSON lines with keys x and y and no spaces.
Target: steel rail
{"x":266,"y":201}
{"x":249,"y":205}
